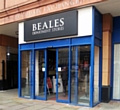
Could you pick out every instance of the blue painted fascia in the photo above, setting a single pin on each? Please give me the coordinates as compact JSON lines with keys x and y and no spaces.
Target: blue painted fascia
{"x":97,"y":24}
{"x":92,"y":61}
{"x":19,"y":71}
{"x":98,"y":42}
{"x":112,"y":70}
{"x":27,"y":46}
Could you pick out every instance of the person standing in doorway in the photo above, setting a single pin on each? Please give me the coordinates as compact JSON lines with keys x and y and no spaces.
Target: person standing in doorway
{"x":64,"y":76}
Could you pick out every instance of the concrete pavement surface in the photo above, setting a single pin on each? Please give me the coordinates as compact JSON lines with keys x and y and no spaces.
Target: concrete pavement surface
{"x":9,"y":101}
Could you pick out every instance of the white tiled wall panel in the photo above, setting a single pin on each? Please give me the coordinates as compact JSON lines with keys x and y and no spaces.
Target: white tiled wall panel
{"x":116,"y":79}
{"x":85,"y":21}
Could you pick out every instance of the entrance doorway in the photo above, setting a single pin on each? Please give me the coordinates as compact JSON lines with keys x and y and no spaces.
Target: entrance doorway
{"x":51,"y":74}
{"x":57,"y":79}
{"x":52,"y":83}
{"x":60,"y":74}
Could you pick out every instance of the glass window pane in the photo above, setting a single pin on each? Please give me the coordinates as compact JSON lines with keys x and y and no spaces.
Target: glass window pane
{"x":83,"y":75}
{"x":40,"y":73}
{"x":96,"y":75}
{"x":25,"y":73}
{"x":63,"y":59}
{"x":80,"y":75}
{"x":73,"y":75}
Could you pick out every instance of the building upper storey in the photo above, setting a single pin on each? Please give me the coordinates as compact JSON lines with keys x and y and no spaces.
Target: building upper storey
{"x":10,"y":4}
{"x":17,"y":10}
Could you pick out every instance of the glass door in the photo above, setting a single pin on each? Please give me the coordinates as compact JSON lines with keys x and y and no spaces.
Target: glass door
{"x":40,"y":74}
{"x":73,"y":74}
{"x":80,"y":72}
{"x":62,"y":74}
{"x":26,"y":70}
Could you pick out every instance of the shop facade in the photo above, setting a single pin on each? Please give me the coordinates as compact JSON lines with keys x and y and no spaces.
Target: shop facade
{"x":70,"y":39}
{"x":63,"y":36}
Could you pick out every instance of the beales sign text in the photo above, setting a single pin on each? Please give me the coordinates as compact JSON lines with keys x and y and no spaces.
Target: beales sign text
{"x":50,"y":26}
{"x":58,"y":25}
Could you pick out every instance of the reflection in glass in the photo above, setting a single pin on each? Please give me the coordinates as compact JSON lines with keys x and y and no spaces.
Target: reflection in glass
{"x":63,"y":55}
{"x":73,"y":75}
{"x":80,"y":69}
{"x":40,"y":73}
{"x":25,"y":73}
{"x":83,"y":75}
{"x":96,"y":75}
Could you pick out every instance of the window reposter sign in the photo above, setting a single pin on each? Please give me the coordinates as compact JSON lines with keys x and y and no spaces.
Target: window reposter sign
{"x":53,"y":26}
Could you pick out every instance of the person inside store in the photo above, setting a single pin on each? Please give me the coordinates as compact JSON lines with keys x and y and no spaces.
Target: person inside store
{"x":64,"y":76}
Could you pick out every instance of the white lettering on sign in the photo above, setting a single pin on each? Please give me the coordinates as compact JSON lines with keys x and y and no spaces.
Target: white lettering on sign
{"x":50,"y":26}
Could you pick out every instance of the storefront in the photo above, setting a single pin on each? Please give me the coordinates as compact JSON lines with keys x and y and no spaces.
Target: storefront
{"x":115,"y":71}
{"x":63,"y":43}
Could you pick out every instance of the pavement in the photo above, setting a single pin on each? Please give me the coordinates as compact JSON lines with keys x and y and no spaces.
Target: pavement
{"x":9,"y":100}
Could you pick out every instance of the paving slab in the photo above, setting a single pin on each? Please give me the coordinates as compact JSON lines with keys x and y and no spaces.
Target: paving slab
{"x":35,"y":107}
{"x":47,"y":109}
{"x":10,"y":101}
{"x":17,"y":107}
{"x":56,"y":107}
{"x":69,"y":108}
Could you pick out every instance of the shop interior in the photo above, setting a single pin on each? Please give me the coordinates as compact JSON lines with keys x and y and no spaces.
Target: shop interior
{"x":79,"y":74}
{"x":81,"y":67}
{"x":53,"y":78}
{"x":51,"y":74}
